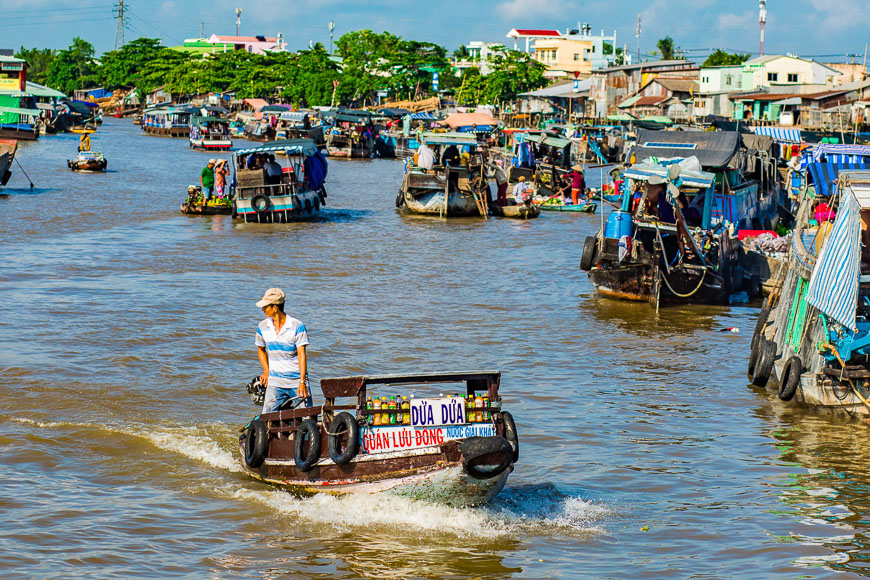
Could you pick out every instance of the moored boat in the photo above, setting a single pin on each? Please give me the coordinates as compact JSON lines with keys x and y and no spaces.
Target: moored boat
{"x":522,"y":211}
{"x":433,"y":188}
{"x":438,"y":449}
{"x":297,"y":195}
{"x":166,"y":122}
{"x":351,"y":135}
{"x":549,"y":205}
{"x":812,"y":338}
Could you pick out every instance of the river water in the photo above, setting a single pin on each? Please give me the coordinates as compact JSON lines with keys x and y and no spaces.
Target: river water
{"x":127,"y":336}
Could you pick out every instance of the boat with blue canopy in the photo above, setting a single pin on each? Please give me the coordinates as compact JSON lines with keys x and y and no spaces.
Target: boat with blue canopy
{"x":296,"y":195}
{"x":812,"y":338}
{"x":210,"y":133}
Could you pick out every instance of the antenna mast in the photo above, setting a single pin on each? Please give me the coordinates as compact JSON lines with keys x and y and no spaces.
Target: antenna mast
{"x":762,"y":18}
{"x":120,"y":25}
{"x":238,"y":19}
{"x":637,"y":35}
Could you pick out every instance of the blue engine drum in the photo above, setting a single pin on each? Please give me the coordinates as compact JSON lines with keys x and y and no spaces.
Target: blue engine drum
{"x":618,"y":225}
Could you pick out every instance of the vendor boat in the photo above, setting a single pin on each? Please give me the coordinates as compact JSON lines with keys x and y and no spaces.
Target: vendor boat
{"x":210,"y":134}
{"x":296,"y":197}
{"x":351,"y":136}
{"x":195,"y":205}
{"x":812,"y":338}
{"x":557,"y":205}
{"x":446,"y":191}
{"x":167,"y":122}
{"x":8,"y":147}
{"x":433,"y":449}
{"x":521,"y":211}
{"x":88,"y":161}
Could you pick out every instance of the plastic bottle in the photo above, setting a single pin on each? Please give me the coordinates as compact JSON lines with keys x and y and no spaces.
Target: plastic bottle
{"x":469,"y":408}
{"x":406,"y":407}
{"x":385,"y":417}
{"x":376,"y":406}
{"x":485,"y":408}
{"x":392,"y":405}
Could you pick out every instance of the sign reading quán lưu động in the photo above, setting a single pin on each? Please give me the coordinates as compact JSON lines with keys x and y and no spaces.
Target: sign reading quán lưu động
{"x":403,"y":437}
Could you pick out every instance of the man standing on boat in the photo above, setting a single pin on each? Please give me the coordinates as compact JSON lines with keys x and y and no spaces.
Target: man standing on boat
{"x":206,"y":178}
{"x":281,"y":342}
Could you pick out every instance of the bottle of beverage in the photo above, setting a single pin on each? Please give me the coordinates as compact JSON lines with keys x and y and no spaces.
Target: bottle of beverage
{"x":486,"y":407}
{"x":478,"y":401}
{"x":376,"y":406}
{"x":406,"y":407}
{"x":369,"y":404}
{"x":392,"y":406}
{"x":385,"y":417}
{"x":469,"y":408}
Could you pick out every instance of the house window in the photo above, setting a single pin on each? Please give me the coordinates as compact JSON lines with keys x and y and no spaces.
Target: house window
{"x":772,"y":77}
{"x":576,"y":56}
{"x":593,"y":48}
{"x":728,"y":79}
{"x":792,"y":77}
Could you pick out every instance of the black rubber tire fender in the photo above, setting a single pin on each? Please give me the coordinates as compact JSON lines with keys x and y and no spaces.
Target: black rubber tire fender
{"x":759,"y":325}
{"x":308,"y":206}
{"x":260,"y":203}
{"x":764,"y":364}
{"x":309,"y":430}
{"x":588,"y":253}
{"x":316,"y":204}
{"x":790,"y":378}
{"x":297,"y":205}
{"x":480,"y":451}
{"x":343,"y":423}
{"x":7,"y":175}
{"x":400,"y":198}
{"x":753,"y":360}
{"x":510,"y":433}
{"x":256,"y":443}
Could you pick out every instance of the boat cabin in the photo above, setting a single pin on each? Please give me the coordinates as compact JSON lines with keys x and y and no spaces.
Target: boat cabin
{"x":210,"y":133}
{"x":167,"y":122}
{"x":281,"y":181}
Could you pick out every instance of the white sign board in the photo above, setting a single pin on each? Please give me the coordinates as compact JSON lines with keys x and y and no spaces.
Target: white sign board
{"x":435,"y":412}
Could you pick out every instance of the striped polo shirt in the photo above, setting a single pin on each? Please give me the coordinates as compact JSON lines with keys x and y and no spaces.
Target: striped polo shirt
{"x":282,"y":348}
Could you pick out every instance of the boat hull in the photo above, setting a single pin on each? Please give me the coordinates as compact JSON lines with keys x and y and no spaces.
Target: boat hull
{"x":579,"y":208}
{"x":520,"y":212}
{"x":211,"y":145}
{"x":200,"y":209}
{"x":176,"y":132}
{"x":19,"y":134}
{"x":87,"y":165}
{"x":281,"y":208}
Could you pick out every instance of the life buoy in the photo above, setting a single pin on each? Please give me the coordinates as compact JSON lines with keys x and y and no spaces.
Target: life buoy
{"x":260,"y":203}
{"x":256,"y":443}
{"x":588,"y":253}
{"x":344,"y":423}
{"x":486,"y":457}
{"x":764,"y":362}
{"x":790,"y":379}
{"x":510,"y":433}
{"x":309,"y":430}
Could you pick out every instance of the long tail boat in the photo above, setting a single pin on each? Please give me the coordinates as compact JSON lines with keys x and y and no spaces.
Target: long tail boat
{"x":452,"y":449}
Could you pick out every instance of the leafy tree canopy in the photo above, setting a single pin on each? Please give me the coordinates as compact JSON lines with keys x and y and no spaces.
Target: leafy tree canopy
{"x":39,"y":60}
{"x":721,"y":58}
{"x":73,"y":68}
{"x":666,"y":48}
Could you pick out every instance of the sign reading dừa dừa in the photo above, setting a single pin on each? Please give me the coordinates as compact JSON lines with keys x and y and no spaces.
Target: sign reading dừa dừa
{"x":400,"y":438}
{"x":434,"y":412}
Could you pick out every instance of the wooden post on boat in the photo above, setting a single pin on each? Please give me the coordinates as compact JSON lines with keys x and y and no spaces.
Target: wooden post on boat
{"x":443,"y":211}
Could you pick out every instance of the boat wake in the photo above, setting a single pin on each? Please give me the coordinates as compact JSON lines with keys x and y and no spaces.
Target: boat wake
{"x":526,"y":509}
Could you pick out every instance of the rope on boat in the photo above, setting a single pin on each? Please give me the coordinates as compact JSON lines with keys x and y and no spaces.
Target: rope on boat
{"x":677,"y":294}
{"x":833,"y":349}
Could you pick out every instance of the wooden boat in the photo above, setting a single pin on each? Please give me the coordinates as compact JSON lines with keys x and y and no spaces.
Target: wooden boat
{"x":83,"y":130}
{"x":348,"y":137}
{"x":812,"y":338}
{"x":437,"y":450}
{"x":194,"y":205}
{"x":300,"y":192}
{"x":167,"y":122}
{"x":8,"y":147}
{"x":88,"y":161}
{"x":19,"y":117}
{"x":210,"y":133}
{"x":446,"y":191}
{"x":519,"y":211}
{"x":575,"y":208}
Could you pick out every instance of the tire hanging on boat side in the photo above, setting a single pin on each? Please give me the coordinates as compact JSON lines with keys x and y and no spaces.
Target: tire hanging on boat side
{"x":308,"y":429}
{"x":260,"y":203}
{"x":759,"y":325}
{"x":790,"y":378}
{"x":343,"y":423}
{"x":764,"y":364}
{"x":486,"y":457}
{"x":588,"y":254}
{"x":256,"y":444}
{"x":510,"y":433}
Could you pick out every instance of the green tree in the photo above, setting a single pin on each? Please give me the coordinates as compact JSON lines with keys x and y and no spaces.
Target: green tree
{"x":38,"y":61}
{"x":512,"y":72}
{"x":73,"y":68}
{"x":620,"y":53}
{"x":461,"y":53}
{"x":127,"y":65}
{"x":721,"y":58}
{"x":666,"y":48}
{"x":308,"y":78}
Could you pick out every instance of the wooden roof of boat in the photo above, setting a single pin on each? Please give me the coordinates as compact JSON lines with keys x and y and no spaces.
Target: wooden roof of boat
{"x":351,"y":386}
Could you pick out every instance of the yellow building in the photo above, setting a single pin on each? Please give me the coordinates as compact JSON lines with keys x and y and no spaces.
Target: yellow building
{"x":565,"y":56}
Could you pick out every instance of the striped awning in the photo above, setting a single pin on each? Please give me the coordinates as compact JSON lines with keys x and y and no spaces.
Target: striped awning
{"x":778,"y":134}
{"x":843,"y":153}
{"x":293,"y":146}
{"x":20,"y":111}
{"x":423,"y":116}
{"x":825,"y":175}
{"x":833,"y":285}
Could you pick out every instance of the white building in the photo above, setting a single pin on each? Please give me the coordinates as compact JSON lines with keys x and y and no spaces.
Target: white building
{"x":479,"y":53}
{"x":776,"y":70}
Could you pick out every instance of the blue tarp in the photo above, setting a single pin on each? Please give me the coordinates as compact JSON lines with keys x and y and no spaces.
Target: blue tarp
{"x":834,"y":282}
{"x":824,"y":175}
{"x":315,"y":170}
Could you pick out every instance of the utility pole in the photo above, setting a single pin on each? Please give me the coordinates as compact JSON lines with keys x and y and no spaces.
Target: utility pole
{"x":120,"y":24}
{"x":637,"y":35}
{"x":238,"y":20}
{"x":201,"y":26}
{"x":762,"y":18}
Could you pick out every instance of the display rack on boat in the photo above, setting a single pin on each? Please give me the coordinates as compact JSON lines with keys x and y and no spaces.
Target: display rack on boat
{"x":446,"y":191}
{"x":167,"y":122}
{"x":8,"y":147}
{"x":435,"y":449}
{"x":299,"y":194}
{"x":812,"y":338}
{"x":210,"y":133}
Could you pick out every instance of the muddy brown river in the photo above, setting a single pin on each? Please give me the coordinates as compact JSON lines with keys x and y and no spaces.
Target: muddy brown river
{"x":127,"y":334}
